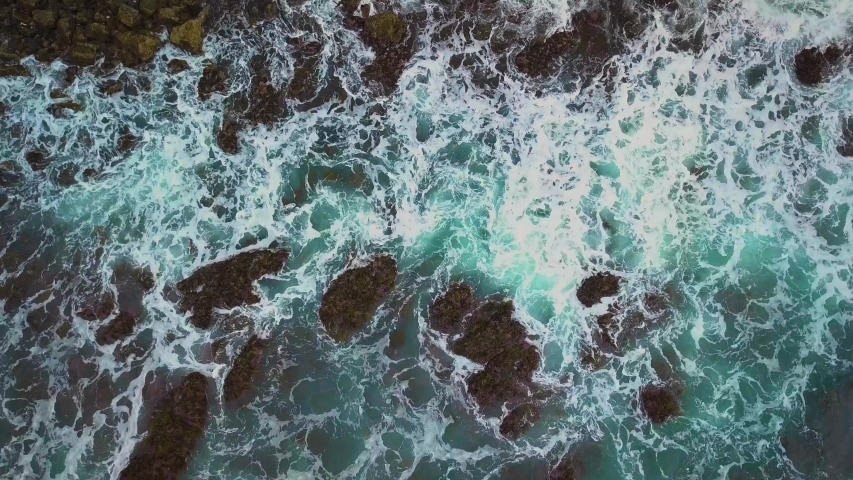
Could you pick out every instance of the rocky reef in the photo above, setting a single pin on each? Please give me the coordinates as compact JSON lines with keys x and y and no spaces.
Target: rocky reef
{"x":174,"y":430}
{"x":489,"y":334}
{"x":596,"y":287}
{"x":352,"y":298}
{"x":239,"y":379}
{"x":388,"y":34}
{"x":660,"y":402}
{"x":227,"y":284}
{"x":122,"y":326}
{"x":814,"y":65}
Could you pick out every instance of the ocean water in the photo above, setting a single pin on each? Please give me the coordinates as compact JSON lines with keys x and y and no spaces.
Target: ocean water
{"x":711,"y":179}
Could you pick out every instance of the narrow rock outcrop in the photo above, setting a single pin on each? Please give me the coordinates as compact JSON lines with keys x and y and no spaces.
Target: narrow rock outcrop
{"x":239,"y":379}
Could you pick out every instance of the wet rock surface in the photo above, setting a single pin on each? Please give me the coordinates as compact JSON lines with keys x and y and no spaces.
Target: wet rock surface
{"x":814,"y":65}
{"x":448,"y":310}
{"x":387,"y":34}
{"x":519,"y":420}
{"x":492,"y":337}
{"x":227,"y":284}
{"x":239,"y":379}
{"x":569,"y":468}
{"x":174,"y":430}
{"x":213,"y":79}
{"x":119,"y":328}
{"x":352,"y":298}
{"x":845,"y":147}
{"x":660,"y":402}
{"x":595,"y":288}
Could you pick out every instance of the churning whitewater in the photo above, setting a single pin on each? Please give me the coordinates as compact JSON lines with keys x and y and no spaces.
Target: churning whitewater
{"x":514,"y":239}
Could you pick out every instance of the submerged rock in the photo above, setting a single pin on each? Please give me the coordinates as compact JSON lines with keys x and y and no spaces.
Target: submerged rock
{"x":659,"y":403}
{"x":352,"y":298}
{"x":519,"y":420}
{"x":593,"y":289}
{"x":448,"y":310}
{"x":569,"y":468}
{"x":177,"y":65}
{"x":845,"y":148}
{"x":119,"y":328}
{"x":245,"y":367}
{"x":213,"y":79}
{"x":812,"y":65}
{"x":227,"y":284}
{"x":37,"y":160}
{"x":174,"y":430}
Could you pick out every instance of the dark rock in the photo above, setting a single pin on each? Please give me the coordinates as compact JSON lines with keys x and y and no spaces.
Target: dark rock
{"x":304,"y":83}
{"x":67,"y":176}
{"x":353,"y":297}
{"x":129,"y":16}
{"x":66,"y":27}
{"x":169,"y":16}
{"x":97,"y":32}
{"x":239,"y":379}
{"x":386,"y":34}
{"x":121,"y":327}
{"x":448,"y":310}
{"x":58,"y":93}
{"x":507,"y":376}
{"x":569,"y":468}
{"x":142,"y":47}
{"x":62,"y":109}
{"x":660,"y":402}
{"x":143,"y":277}
{"x":385,"y":29}
{"x":519,"y":420}
{"x":148,"y":7}
{"x":267,"y":103}
{"x":174,"y":430}
{"x":213,"y":79}
{"x":593,"y":289}
{"x":4,"y":109}
{"x":176,"y":65}
{"x":227,"y":284}
{"x":14,"y":71}
{"x":587,"y":40}
{"x":489,"y":330}
{"x":228,"y":137}
{"x":99,"y":310}
{"x":37,"y":160}
{"x":127,"y":140}
{"x":845,"y":148}
{"x":45,"y":19}
{"x":812,"y":65}
{"x":112,"y":87}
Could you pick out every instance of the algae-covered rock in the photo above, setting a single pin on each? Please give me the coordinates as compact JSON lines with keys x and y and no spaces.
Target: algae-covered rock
{"x":353,"y":297}
{"x":386,"y":28}
{"x":593,"y":289}
{"x":119,"y":328}
{"x":14,"y":71}
{"x":174,"y":430}
{"x":148,"y":7}
{"x":84,"y":54}
{"x":177,"y":65}
{"x":227,"y":284}
{"x":169,"y":15}
{"x":239,"y":379}
{"x":659,"y":403}
{"x":213,"y":79}
{"x":143,"y":46}
{"x":266,"y":101}
{"x":45,"y":18}
{"x":65,"y":27}
{"x":190,"y":35}
{"x":448,"y":310}
{"x":97,"y":31}
{"x":519,"y":420}
{"x":228,"y":137}
{"x":129,"y":16}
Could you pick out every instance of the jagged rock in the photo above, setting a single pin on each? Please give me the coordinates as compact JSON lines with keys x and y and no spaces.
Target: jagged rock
{"x":121,"y":327}
{"x":4,"y":109}
{"x":174,"y":430}
{"x":228,"y":137}
{"x":213,"y":79}
{"x":659,"y":403}
{"x":142,"y":45}
{"x":519,"y":420}
{"x":14,"y":71}
{"x":353,"y":297}
{"x":177,"y":65}
{"x":143,"y":277}
{"x":37,"y":160}
{"x":129,"y":16}
{"x":386,"y":28}
{"x":127,"y":140}
{"x":61,"y":109}
{"x":813,"y":65}
{"x":169,"y":15}
{"x":448,"y":310}
{"x":97,"y":32}
{"x":112,"y":87}
{"x":45,"y":18}
{"x":84,"y":54}
{"x":227,"y":284}
{"x":239,"y":379}
{"x":266,"y":102}
{"x":593,"y":289}
{"x":190,"y":35}
{"x":304,"y":82}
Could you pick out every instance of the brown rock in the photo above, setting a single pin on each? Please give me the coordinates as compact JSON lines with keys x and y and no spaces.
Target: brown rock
{"x":177,"y":65}
{"x":14,"y":71}
{"x":121,"y":327}
{"x":190,"y":35}
{"x":448,"y":310}
{"x":659,"y":402}
{"x":352,"y":298}
{"x":129,"y":16}
{"x":593,"y":289}
{"x":519,"y":420}
{"x":213,"y":79}
{"x":239,"y":379}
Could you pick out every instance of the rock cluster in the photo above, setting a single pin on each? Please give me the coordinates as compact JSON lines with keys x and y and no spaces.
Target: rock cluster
{"x":488,"y":334}
{"x":227,"y":284}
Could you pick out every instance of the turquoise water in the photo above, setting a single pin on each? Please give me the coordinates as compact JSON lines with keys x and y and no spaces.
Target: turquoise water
{"x":521,"y":190}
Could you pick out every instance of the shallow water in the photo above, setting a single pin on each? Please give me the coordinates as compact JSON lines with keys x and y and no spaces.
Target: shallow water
{"x":710,"y":179}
